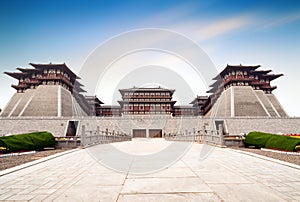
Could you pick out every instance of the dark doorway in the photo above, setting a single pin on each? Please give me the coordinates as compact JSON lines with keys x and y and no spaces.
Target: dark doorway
{"x":72,"y":128}
{"x":139,"y":133}
{"x":155,"y":133}
{"x":218,"y":123}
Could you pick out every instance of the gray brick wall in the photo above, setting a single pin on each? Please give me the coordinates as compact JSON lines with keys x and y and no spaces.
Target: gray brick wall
{"x":23,"y":125}
{"x":169,"y":124}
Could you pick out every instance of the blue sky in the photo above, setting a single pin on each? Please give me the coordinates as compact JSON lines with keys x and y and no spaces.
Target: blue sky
{"x":230,"y":32}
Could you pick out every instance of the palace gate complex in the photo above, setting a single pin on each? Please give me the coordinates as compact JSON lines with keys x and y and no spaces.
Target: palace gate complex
{"x":50,"y":97}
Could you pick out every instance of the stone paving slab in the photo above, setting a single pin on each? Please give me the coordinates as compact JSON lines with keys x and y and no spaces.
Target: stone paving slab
{"x":164,"y":185}
{"x":246,"y":192}
{"x":90,"y":193}
{"x":204,"y":173}
{"x":222,"y":177}
{"x":172,"y":172}
{"x":183,"y":197}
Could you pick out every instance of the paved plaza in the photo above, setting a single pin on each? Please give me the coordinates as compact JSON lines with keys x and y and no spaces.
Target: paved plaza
{"x":203,"y":173}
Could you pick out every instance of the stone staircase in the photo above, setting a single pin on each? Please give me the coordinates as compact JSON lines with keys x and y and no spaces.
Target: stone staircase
{"x":11,"y":105}
{"x":44,"y":102}
{"x":277,"y":105}
{"x":246,"y":102}
{"x":25,"y":99}
{"x":222,"y":107}
{"x":66,"y":105}
{"x":267,"y":104}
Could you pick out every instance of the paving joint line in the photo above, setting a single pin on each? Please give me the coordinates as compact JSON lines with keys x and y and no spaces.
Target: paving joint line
{"x":179,"y":192}
{"x":125,"y":179}
{"x":35,"y":162}
{"x":291,"y":165}
{"x":203,"y":181}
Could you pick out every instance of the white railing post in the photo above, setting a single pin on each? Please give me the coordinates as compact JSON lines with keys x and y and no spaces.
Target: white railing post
{"x":204,"y":135}
{"x":83,"y":135}
{"x":221,"y":135}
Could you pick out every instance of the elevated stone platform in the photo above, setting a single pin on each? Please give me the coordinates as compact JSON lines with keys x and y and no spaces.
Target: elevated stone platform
{"x":44,"y":101}
{"x":244,"y":101}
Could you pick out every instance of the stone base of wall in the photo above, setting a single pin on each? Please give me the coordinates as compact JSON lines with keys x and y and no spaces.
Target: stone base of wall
{"x":168,"y":124}
{"x":57,"y":126}
{"x":240,"y":125}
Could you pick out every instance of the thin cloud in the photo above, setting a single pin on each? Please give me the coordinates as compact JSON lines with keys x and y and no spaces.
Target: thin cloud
{"x":201,"y":29}
{"x":282,"y":20}
{"x":221,"y":27}
{"x":168,"y":16}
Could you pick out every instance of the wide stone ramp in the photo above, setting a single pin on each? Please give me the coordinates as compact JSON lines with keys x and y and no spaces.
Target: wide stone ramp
{"x":44,"y":102}
{"x":11,"y":105}
{"x":246,"y":103}
{"x":23,"y":102}
{"x":222,"y":107}
{"x":277,"y":105}
{"x":266,"y":102}
{"x":66,"y":103}
{"x":243,"y":101}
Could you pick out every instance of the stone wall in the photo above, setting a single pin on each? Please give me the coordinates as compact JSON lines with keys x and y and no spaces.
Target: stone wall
{"x":24,"y":125}
{"x":271,"y":125}
{"x":169,"y":125}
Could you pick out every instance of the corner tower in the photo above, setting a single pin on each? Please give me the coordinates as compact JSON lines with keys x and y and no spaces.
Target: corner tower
{"x":243,"y":91}
{"x":46,"y":90}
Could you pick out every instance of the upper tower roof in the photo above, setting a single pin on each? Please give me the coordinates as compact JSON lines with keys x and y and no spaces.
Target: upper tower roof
{"x":42,"y":74}
{"x":62,"y":67}
{"x":150,"y":89}
{"x":230,"y":68}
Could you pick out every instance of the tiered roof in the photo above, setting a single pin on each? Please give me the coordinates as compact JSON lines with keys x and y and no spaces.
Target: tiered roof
{"x":29,"y":76}
{"x":230,"y":68}
{"x":158,"y":89}
{"x":242,"y":73}
{"x":232,"y":75}
{"x":62,"y":67}
{"x":132,"y":98}
{"x":195,"y":101}
{"x":50,"y":74}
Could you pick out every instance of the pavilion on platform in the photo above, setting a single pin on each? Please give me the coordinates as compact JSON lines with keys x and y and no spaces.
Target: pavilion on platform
{"x":53,"y":90}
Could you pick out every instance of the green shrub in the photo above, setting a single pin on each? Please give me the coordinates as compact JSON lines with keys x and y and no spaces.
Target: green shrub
{"x":283,"y":143}
{"x":16,"y":143}
{"x":30,"y":141}
{"x":257,"y":139}
{"x":271,"y":141}
{"x":42,"y":140}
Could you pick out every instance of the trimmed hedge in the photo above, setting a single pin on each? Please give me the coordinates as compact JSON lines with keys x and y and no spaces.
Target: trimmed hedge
{"x":271,"y":141}
{"x":282,"y":142}
{"x":257,"y":139}
{"x":30,"y":141}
